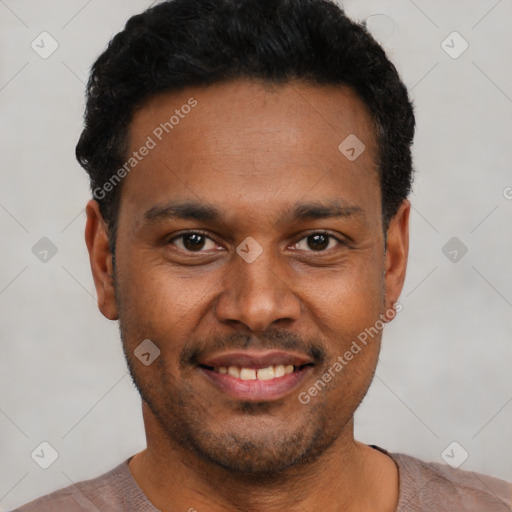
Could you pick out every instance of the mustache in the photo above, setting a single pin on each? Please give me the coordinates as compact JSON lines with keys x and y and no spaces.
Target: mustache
{"x":279,"y":340}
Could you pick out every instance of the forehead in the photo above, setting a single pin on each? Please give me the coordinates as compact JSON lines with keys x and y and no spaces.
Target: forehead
{"x":260,"y":144}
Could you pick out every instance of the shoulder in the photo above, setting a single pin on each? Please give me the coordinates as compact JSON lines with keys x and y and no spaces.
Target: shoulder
{"x":432,"y":486}
{"x":112,"y":491}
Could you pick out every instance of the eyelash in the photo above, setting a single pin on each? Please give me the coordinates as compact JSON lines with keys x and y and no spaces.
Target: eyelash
{"x":186,"y":233}
{"x":318,"y":232}
{"x":327,"y":234}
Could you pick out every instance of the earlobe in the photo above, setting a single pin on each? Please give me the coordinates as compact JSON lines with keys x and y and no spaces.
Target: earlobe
{"x":100,"y":257}
{"x":397,"y":251}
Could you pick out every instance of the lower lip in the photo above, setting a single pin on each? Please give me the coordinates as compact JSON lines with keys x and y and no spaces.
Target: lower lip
{"x":257,"y":390}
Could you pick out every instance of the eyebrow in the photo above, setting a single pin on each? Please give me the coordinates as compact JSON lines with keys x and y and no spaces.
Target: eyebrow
{"x":186,"y":210}
{"x":319,"y":210}
{"x":191,"y":210}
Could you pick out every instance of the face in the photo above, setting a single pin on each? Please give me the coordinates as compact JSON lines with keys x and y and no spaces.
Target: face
{"x":250,"y":251}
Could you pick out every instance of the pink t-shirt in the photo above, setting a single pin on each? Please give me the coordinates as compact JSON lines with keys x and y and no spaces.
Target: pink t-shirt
{"x":424,"y":487}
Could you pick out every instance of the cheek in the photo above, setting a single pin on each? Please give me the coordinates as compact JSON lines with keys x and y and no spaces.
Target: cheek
{"x":348,"y":299}
{"x":160,"y":301}
{"x":164,"y":301}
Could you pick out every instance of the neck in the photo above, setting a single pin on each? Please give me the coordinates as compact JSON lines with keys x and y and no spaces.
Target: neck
{"x":349,"y":476}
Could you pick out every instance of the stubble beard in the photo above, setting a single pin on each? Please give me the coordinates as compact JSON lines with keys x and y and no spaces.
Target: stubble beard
{"x":255,"y":455}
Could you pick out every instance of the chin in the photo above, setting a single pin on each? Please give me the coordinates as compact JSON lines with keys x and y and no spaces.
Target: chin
{"x":260,"y":453}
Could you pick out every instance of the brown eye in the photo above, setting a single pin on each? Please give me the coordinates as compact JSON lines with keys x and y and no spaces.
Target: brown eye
{"x":193,"y":242}
{"x":317,"y":242}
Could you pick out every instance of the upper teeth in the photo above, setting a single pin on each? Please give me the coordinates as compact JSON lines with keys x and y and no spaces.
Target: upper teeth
{"x":271,"y":372}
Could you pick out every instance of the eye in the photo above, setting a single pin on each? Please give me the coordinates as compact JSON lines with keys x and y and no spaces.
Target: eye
{"x":319,"y":241}
{"x":193,"y":241}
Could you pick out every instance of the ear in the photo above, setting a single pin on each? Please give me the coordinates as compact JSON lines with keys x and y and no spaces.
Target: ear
{"x":397,"y":251}
{"x":96,"y":238}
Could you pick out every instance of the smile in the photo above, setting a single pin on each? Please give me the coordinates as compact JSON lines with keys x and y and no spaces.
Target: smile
{"x":268,"y":373}
{"x":256,"y":376}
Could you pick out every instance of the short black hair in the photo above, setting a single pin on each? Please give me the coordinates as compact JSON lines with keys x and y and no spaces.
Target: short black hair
{"x":183,"y":43}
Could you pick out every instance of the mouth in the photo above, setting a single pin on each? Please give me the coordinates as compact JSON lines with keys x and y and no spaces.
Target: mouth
{"x":269,"y":373}
{"x":256,"y":376}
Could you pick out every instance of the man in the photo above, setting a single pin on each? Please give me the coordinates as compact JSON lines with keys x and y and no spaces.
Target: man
{"x":250,"y":165}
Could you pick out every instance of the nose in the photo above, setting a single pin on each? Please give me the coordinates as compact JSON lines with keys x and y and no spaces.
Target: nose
{"x":257,"y":294}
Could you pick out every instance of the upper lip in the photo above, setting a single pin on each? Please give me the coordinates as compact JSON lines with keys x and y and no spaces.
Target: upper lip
{"x":255,"y":359}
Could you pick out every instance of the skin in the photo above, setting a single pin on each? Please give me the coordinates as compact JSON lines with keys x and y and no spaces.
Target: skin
{"x":253,"y":151}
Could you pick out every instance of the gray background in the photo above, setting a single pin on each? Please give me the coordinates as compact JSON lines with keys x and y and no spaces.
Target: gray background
{"x":445,"y":367}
